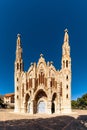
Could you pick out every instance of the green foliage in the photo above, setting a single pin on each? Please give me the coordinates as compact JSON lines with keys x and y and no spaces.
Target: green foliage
{"x":74,"y":104}
{"x":80,"y":103}
{"x":1,"y":101}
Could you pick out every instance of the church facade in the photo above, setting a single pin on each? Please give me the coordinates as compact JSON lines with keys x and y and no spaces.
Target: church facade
{"x":43,"y":89}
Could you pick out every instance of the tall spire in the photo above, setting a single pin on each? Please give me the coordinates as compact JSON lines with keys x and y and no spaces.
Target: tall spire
{"x":18,"y":48}
{"x":19,"y":60}
{"x":66,"y":47}
{"x":66,"y":51}
{"x":66,"y":36}
{"x":18,"y":40}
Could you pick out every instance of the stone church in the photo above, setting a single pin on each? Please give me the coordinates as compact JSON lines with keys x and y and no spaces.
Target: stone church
{"x":43,"y":89}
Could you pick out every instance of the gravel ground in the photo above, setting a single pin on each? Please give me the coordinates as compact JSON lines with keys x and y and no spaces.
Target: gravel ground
{"x":9,"y":120}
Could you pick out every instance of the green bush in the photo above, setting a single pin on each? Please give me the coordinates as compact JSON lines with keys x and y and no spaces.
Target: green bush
{"x":80,"y":103}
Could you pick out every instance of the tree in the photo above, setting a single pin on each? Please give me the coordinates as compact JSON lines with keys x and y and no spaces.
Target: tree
{"x":74,"y":104}
{"x":80,"y":103}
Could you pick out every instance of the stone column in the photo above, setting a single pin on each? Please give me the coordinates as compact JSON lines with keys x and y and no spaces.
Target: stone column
{"x":49,"y":107}
{"x":32,"y":107}
{"x":25,"y":109}
{"x":58,"y":106}
{"x":49,"y":88}
{"x":33,"y":83}
{"x":49,"y":102}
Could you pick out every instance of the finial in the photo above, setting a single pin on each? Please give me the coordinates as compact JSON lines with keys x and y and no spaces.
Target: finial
{"x":48,"y":63}
{"x":51,"y":62}
{"x":66,"y":30}
{"x":18,"y":39}
{"x":66,"y":37}
{"x":31,"y":63}
{"x":41,"y":55}
{"x":18,"y":35}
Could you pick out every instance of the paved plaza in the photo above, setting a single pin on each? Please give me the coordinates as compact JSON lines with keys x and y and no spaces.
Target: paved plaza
{"x":13,"y":121}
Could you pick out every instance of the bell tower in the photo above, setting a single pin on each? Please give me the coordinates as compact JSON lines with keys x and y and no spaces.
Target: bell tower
{"x":66,"y":74}
{"x":18,"y":71}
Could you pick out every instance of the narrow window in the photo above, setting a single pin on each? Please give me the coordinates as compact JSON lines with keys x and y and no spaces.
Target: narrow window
{"x":20,"y":66}
{"x":67,"y":77}
{"x":17,"y":88}
{"x":17,"y":66}
{"x":50,"y":83}
{"x":39,"y":78}
{"x":61,"y":89}
{"x":27,"y":86}
{"x":45,"y":82}
{"x":67,"y":96}
{"x":63,"y":64}
{"x":23,"y":90}
{"x":17,"y":97}
{"x":66,"y":86}
{"x":30,"y":82}
{"x":67,"y":64}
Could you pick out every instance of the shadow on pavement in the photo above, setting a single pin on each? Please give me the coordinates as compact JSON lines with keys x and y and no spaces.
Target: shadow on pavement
{"x":53,"y":123}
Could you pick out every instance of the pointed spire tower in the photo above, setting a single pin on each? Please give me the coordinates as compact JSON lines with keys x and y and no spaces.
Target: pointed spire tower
{"x":66,"y":60}
{"x":66,"y":74}
{"x":18,"y":71}
{"x":18,"y":61}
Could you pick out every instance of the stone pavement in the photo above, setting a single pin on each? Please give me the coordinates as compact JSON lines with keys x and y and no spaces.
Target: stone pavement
{"x":13,"y":121}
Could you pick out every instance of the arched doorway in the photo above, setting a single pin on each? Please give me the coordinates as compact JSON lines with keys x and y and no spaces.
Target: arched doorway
{"x":27,"y":104}
{"x":53,"y":106}
{"x":40,"y":102}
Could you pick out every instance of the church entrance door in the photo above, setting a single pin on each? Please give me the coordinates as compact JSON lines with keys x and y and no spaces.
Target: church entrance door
{"x":40,"y":102}
{"x":26,"y":102}
{"x":54,"y":100}
{"x":53,"y":107}
{"x":28,"y":108}
{"x":41,"y":107}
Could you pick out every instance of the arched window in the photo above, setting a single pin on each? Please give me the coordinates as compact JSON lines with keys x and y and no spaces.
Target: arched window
{"x":67,"y":87}
{"x":23,"y":90}
{"x":36,"y":82}
{"x":17,"y":88}
{"x":67,"y":77}
{"x":45,"y":81}
{"x":17,"y":97}
{"x":67,"y":96}
{"x":30,"y":82}
{"x":63,"y":64}
{"x":52,"y":82}
{"x":21,"y":66}
{"x":27,"y":86}
{"x":61,"y":89}
{"x":41,"y":78}
{"x":67,"y":64}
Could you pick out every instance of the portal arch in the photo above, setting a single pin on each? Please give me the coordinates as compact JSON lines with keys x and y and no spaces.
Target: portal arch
{"x":40,"y":101}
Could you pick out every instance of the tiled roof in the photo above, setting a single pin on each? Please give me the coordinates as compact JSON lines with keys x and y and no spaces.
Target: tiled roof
{"x":9,"y":95}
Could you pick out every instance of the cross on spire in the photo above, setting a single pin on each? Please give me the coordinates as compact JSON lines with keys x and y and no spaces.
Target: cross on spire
{"x":66,"y":36}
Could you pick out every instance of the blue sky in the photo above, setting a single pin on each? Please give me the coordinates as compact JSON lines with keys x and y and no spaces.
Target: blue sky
{"x":41,"y":24}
